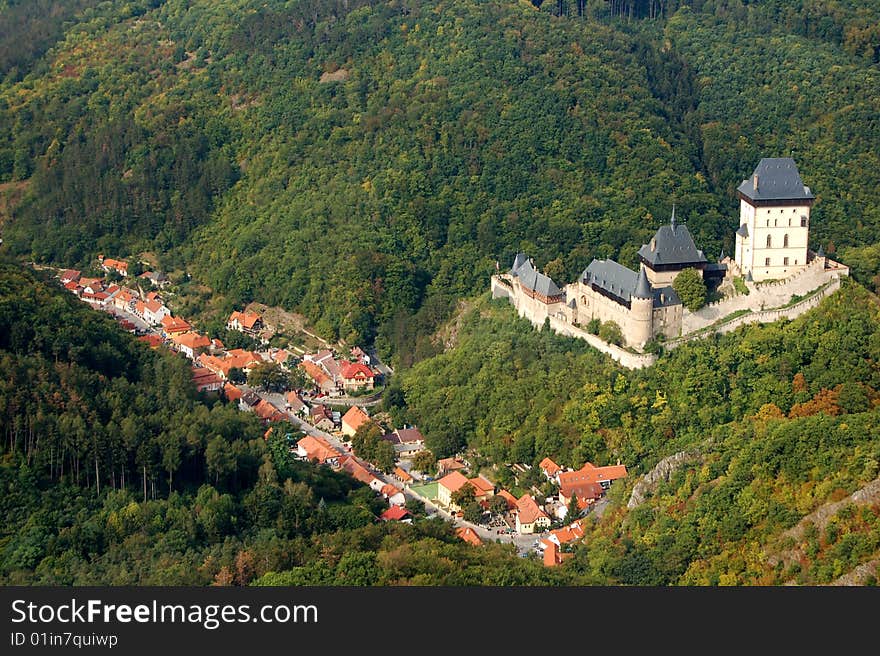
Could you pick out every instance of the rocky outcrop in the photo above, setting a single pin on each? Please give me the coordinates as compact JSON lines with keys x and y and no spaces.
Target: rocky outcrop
{"x":860,"y":575}
{"x":865,"y":496}
{"x":661,"y":472}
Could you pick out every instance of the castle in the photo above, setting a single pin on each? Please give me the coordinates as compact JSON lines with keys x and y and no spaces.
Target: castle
{"x":771,"y":245}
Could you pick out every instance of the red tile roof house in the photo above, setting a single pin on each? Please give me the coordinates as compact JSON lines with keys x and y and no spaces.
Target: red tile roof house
{"x":511,"y":500}
{"x":469,"y":535}
{"x":322,"y":381}
{"x":360,"y":472}
{"x":268,"y":412}
{"x":125,"y":299}
{"x":191,"y":344}
{"x":393,"y":495}
{"x":355,"y":376}
{"x":154,"y":311}
{"x":529,"y":517}
{"x":174,"y":326}
{"x":114,"y":265}
{"x":295,"y":405}
{"x":447,"y":465}
{"x":395,"y":514}
{"x":231,"y":392}
{"x":402,"y":476}
{"x":447,"y":486}
{"x":317,"y":450}
{"x":553,"y":556}
{"x":353,"y":419}
{"x":550,"y":469}
{"x":245,"y":322}
{"x":206,"y":381}
{"x":69,"y":275}
{"x":483,"y":489}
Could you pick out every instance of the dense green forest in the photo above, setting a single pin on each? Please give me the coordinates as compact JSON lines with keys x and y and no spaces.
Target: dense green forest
{"x":114,"y":471}
{"x":366,"y":163}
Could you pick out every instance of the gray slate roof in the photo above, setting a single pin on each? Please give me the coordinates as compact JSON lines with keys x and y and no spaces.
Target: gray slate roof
{"x":643,"y":287}
{"x":665,"y":296}
{"x":778,"y":179}
{"x":743,"y":231}
{"x":612,"y":277}
{"x":533,"y":279}
{"x":626,"y":283}
{"x":673,"y":244}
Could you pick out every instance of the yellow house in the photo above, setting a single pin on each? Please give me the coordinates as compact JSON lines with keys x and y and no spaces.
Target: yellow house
{"x":529,"y":517}
{"x":449,"y":484}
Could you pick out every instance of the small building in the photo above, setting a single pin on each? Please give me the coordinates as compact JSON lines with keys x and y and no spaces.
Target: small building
{"x":268,"y":412}
{"x":153,"y":341}
{"x":448,"y":465}
{"x":395,"y":514}
{"x":69,"y":275}
{"x":316,"y":449}
{"x":191,"y":344}
{"x":231,"y":392}
{"x":321,"y":380}
{"x":550,"y":469}
{"x":154,"y":311}
{"x":119,"y":266}
{"x":393,"y":495}
{"x":321,"y":417}
{"x":406,"y":441}
{"x":206,"y":381}
{"x":469,"y":535}
{"x":356,"y":376}
{"x":483,"y":489}
{"x":509,"y":498}
{"x":402,"y":476}
{"x":295,"y":405}
{"x":353,"y":420}
{"x":174,"y":326}
{"x":248,"y":401}
{"x":449,"y":485}
{"x":245,"y":322}
{"x":157,"y":278}
{"x":529,"y":517}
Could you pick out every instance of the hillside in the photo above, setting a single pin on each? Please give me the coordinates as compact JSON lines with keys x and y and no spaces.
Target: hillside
{"x":114,"y":471}
{"x":386,"y":154}
{"x":776,"y":420}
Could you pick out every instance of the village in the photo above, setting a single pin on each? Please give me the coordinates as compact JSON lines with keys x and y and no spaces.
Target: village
{"x":536,"y":522}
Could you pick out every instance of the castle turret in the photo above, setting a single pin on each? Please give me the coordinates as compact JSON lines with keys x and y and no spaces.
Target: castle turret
{"x":640,"y":329}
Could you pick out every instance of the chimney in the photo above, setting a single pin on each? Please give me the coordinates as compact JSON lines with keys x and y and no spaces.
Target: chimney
{"x":756,"y":182}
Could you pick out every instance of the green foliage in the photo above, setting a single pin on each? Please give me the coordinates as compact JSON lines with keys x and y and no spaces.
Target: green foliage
{"x":610,"y":332}
{"x":740,"y":285}
{"x":270,"y":377}
{"x":593,"y":326}
{"x":691,"y":289}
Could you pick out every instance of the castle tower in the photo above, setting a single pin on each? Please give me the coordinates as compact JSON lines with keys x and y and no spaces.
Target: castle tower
{"x":670,"y":251}
{"x":641,"y":328}
{"x":772,"y":238}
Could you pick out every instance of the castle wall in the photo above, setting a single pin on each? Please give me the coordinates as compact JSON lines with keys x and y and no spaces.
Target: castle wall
{"x":667,"y":321}
{"x":635,"y":324}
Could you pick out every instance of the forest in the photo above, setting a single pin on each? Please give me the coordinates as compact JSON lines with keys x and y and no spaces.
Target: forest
{"x":386,"y":155}
{"x":368,"y":163}
{"x":114,"y":471}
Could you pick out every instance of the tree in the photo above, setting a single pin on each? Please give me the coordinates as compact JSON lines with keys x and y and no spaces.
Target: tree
{"x":473,"y":512}
{"x":384,"y":456}
{"x":269,"y":376}
{"x":691,"y":289}
{"x":593,"y":326}
{"x":610,"y":332}
{"x":237,"y":376}
{"x":424,"y":461}
{"x":573,"y":511}
{"x":219,"y":458}
{"x":498,"y":505}
{"x":463,"y":496}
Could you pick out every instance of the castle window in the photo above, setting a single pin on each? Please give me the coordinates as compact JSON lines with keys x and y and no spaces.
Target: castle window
{"x":803,"y":222}
{"x":768,"y":241}
{"x":795,"y":261}
{"x":774,"y":223}
{"x":785,"y":241}
{"x":785,"y":261}
{"x":789,"y":222}
{"x":766,"y":261}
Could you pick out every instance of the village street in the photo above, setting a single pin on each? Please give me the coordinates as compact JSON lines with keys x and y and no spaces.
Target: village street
{"x":524,"y":543}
